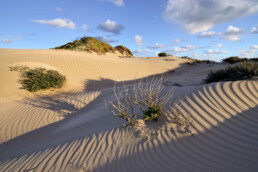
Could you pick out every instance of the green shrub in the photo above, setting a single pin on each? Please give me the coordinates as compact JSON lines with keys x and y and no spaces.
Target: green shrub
{"x":234,"y":59}
{"x":40,"y":79}
{"x":162,"y":54}
{"x":244,"y":70}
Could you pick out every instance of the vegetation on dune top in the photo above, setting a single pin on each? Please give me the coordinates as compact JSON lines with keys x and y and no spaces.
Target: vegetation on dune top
{"x":90,"y":44}
{"x":244,"y":70}
{"x":234,"y":59}
{"x":195,"y":61}
{"x":123,"y":50}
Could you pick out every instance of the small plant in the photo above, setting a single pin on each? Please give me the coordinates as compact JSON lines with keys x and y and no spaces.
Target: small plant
{"x":244,"y":70}
{"x":149,"y":99}
{"x":234,"y":59}
{"x":123,"y":108}
{"x":146,"y":97}
{"x":180,"y":119}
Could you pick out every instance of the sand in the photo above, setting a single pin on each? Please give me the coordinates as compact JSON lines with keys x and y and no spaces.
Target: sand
{"x":71,"y":130}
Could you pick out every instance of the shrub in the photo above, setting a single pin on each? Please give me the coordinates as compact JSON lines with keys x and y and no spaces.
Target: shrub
{"x":162,"y":54}
{"x":244,"y":70}
{"x":146,"y":97}
{"x":254,"y":59}
{"x":234,"y":59}
{"x":40,"y":78}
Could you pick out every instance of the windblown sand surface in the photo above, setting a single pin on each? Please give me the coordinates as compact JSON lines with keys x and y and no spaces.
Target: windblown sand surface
{"x":72,"y":131}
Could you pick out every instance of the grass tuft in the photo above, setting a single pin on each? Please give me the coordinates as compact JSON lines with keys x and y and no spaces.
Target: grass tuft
{"x":244,"y":70}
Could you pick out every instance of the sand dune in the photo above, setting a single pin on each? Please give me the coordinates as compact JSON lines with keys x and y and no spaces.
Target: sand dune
{"x":72,"y":131}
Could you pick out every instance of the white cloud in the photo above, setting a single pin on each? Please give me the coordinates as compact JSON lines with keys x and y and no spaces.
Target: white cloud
{"x":219,"y":45}
{"x":138,"y":40}
{"x":157,"y":46}
{"x":254,"y":30}
{"x":7,"y":41}
{"x":248,"y":51}
{"x":117,"y":2}
{"x":232,"y":34}
{"x":215,"y":51}
{"x":105,"y":39}
{"x":147,"y":50}
{"x":187,"y":48}
{"x":201,"y":15}
{"x":254,"y":47}
{"x":111,"y":26}
{"x":208,"y":34}
{"x":11,"y":39}
{"x":59,"y":9}
{"x":84,"y":27}
{"x":177,"y":40}
{"x":59,"y":23}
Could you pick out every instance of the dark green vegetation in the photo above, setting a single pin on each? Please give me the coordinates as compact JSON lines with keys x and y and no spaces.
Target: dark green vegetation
{"x":39,"y":78}
{"x":196,"y":61}
{"x":90,"y":44}
{"x":163,"y":54}
{"x":153,"y":113}
{"x":234,"y":59}
{"x":244,"y":70}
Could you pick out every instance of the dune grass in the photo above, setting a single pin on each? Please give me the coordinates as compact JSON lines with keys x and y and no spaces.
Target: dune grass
{"x":244,"y":70}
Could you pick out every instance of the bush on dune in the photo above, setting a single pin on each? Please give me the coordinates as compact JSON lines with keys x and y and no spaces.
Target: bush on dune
{"x":234,"y":59}
{"x":163,"y":54}
{"x":244,"y":70}
{"x":41,"y":79}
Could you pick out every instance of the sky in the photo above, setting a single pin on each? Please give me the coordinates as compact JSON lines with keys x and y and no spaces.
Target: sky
{"x":203,"y":29}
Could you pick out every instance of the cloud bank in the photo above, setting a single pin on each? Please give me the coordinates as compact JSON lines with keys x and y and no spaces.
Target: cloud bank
{"x":111,"y":26}
{"x":117,"y":2}
{"x":201,"y":15}
{"x":59,"y":23}
{"x":105,"y":39}
{"x":138,"y":40}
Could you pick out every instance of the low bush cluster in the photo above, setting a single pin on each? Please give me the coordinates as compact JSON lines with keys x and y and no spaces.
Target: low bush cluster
{"x":40,"y":79}
{"x":244,"y":70}
{"x":163,"y":54}
{"x":234,"y":59}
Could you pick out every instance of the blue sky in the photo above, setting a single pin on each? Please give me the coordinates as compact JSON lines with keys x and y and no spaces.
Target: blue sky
{"x":204,"y":29}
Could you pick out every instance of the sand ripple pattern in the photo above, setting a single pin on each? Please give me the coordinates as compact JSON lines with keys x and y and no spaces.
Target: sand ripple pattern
{"x":226,"y":139}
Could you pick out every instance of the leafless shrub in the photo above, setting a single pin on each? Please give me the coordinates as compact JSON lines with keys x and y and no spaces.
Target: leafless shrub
{"x":180,"y":117}
{"x":146,"y":96}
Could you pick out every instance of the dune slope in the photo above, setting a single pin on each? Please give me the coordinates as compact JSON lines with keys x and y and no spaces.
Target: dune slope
{"x":74,"y":131}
